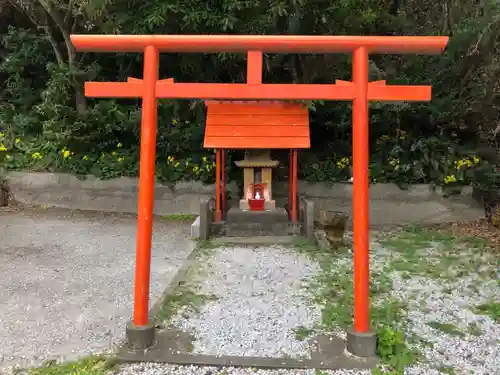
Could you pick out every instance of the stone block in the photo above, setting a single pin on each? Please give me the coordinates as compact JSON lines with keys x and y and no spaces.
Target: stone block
{"x":306,"y":217}
{"x":235,"y":215}
{"x":205,"y":220}
{"x":334,"y":224}
{"x":195,"y":228}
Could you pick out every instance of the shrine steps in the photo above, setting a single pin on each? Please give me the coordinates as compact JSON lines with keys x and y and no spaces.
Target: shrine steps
{"x":241,"y":223}
{"x":255,"y":241}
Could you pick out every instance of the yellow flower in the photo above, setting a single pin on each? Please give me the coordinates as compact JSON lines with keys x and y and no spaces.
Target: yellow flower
{"x":174,"y":121}
{"x":196,"y":168}
{"x":176,"y":164}
{"x":119,"y":145}
{"x":401,"y":134}
{"x":66,"y":154}
{"x":459,"y":164}
{"x":113,"y":153}
{"x":342,"y":163}
{"x":450,"y":179}
{"x":384,"y":138}
{"x":2,"y":147}
{"x":36,"y":155}
{"x":187,"y":162}
{"x":1,"y":135}
{"x":394,"y":162}
{"x":120,"y":159}
{"x":85,"y":157}
{"x":18,"y":140}
{"x":170,"y":159}
{"x":204,"y":159}
{"x":476,"y":160}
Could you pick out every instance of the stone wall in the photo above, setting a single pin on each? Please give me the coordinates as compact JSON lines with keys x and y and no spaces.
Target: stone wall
{"x":388,"y":204}
{"x":116,"y":195}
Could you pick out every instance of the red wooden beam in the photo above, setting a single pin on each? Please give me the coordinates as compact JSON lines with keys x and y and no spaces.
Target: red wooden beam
{"x":146,"y":188}
{"x":254,"y":67}
{"x":341,"y":91}
{"x":380,"y":91}
{"x":137,"y":80}
{"x":360,"y":200}
{"x":264,"y":43}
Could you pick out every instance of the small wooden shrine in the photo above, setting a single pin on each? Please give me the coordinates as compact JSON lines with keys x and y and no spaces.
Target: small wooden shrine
{"x":258,"y":127}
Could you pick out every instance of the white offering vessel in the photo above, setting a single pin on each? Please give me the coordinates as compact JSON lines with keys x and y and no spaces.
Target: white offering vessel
{"x":257,"y":195}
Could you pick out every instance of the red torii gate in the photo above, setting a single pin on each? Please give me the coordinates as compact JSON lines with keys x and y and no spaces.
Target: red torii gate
{"x":359,"y":91}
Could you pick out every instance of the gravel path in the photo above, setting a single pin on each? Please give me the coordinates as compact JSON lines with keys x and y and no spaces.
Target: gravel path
{"x":67,"y":282}
{"x":258,"y":304}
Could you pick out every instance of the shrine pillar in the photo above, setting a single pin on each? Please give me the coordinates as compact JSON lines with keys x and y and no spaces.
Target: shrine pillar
{"x":140,"y":332}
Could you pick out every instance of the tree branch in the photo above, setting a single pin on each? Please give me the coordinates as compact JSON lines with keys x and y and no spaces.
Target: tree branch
{"x":67,"y":18}
{"x":475,"y":50}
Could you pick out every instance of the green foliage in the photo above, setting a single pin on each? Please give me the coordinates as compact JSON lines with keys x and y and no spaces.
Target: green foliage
{"x":86,"y":366}
{"x":393,"y":351}
{"x":491,"y":308}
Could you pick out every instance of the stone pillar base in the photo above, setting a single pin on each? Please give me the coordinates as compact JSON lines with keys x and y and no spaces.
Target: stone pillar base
{"x":140,"y":338}
{"x":362,"y":345}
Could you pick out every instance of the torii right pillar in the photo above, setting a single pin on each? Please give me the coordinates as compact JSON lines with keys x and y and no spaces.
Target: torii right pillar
{"x":361,"y":340}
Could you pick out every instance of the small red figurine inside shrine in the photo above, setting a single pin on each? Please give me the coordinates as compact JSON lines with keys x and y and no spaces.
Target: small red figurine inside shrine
{"x":257,"y":180}
{"x":257,"y":200}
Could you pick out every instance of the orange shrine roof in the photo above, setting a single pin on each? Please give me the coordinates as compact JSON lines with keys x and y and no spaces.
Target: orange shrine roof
{"x":252,"y":124}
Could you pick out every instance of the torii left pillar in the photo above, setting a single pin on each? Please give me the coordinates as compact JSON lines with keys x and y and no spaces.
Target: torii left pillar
{"x":140,"y":332}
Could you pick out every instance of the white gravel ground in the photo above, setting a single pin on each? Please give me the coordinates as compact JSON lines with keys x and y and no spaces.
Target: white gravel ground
{"x":260,"y":299}
{"x":66,"y":285}
{"x":161,"y":369}
{"x":467,"y":354}
{"x":449,"y":302}
{"x":258,"y":304}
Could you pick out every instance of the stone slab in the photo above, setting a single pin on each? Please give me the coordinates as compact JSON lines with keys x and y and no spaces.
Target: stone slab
{"x":235,"y":215}
{"x":168,"y":350}
{"x":195,"y":228}
{"x":255,"y":240}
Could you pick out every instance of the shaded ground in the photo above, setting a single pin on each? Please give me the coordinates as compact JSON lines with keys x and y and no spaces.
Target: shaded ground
{"x":66,"y":286}
{"x":478,"y":228}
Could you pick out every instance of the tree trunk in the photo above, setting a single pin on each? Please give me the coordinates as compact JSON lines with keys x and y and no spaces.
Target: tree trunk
{"x":64,"y":27}
{"x":80,"y":100}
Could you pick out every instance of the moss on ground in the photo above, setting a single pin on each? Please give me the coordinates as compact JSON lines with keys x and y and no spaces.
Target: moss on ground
{"x":186,"y":296}
{"x":93,"y":365}
{"x":446,"y":328}
{"x":491,"y":309}
{"x":415,"y":252}
{"x":178,"y":217}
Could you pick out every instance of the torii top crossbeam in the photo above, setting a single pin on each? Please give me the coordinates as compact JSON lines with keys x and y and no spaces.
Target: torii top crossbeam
{"x":268,"y":43}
